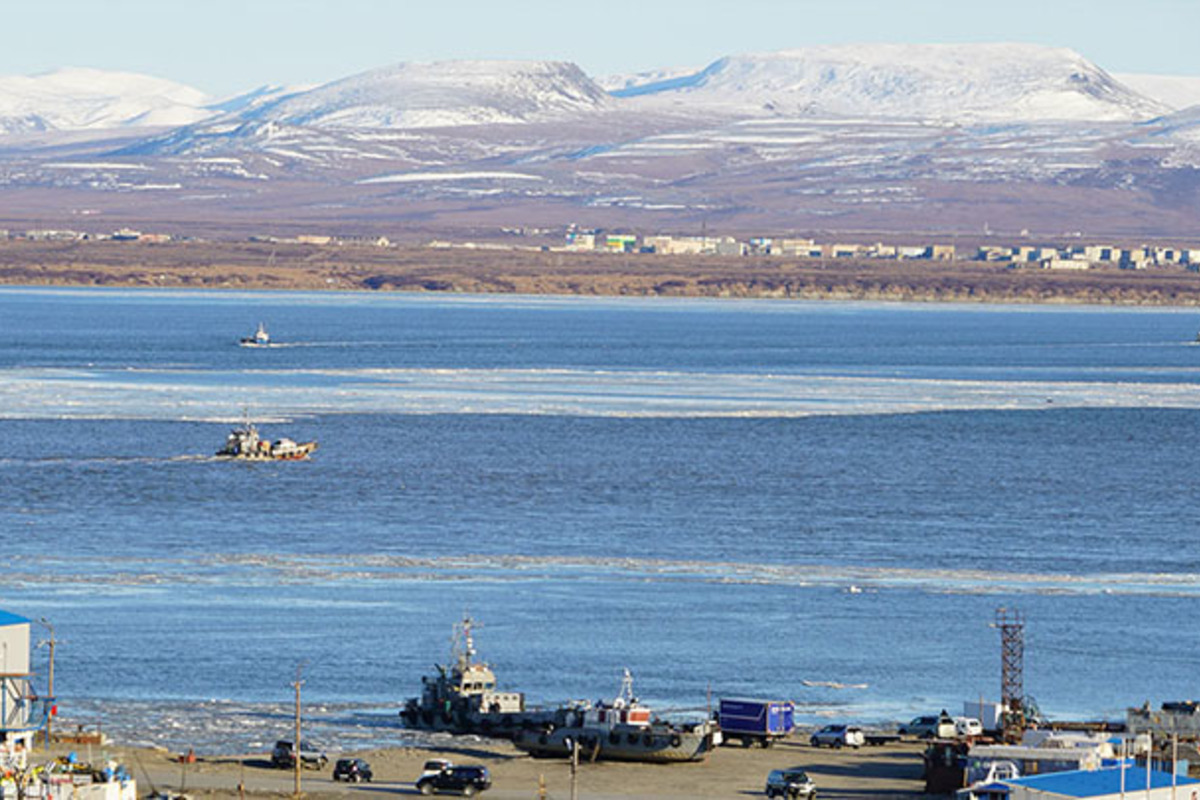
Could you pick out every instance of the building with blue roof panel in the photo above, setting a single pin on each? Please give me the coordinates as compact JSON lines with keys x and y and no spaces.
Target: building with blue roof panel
{"x":1100,"y":784}
{"x":15,"y":693}
{"x":7,"y":618}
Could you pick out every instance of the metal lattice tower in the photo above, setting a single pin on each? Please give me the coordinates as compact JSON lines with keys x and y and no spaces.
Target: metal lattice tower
{"x":1012,"y":669}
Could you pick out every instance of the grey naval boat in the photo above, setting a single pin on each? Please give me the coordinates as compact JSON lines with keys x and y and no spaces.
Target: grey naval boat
{"x":462,"y":698}
{"x":620,"y":730}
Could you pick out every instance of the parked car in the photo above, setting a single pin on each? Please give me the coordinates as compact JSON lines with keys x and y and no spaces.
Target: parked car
{"x":465,"y":779}
{"x":929,"y":727}
{"x":352,"y":770}
{"x":838,"y":736}
{"x":310,"y":756}
{"x":793,"y":784}
{"x":967,"y":726}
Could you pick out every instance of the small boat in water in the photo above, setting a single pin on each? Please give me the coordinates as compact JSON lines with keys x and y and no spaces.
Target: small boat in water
{"x":245,"y":443}
{"x":260,"y":338}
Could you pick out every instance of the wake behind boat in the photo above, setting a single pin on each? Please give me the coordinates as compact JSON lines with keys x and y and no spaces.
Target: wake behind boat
{"x":245,"y":443}
{"x":260,"y":338}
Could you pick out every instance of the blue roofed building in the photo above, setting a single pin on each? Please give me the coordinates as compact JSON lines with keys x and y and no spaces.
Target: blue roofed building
{"x":18,"y":721}
{"x":1110,"y":783}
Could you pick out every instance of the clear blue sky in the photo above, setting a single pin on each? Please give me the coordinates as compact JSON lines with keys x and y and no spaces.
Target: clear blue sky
{"x":228,"y":46}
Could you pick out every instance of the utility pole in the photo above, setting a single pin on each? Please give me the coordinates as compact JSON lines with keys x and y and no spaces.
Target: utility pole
{"x":50,"y":643}
{"x":1011,"y":624}
{"x":573,"y":743}
{"x":296,"y":742}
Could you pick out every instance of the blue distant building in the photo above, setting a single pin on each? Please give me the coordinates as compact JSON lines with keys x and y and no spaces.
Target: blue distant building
{"x":1100,"y":784}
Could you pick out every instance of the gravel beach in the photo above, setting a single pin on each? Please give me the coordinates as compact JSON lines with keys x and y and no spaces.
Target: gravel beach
{"x":892,"y":771}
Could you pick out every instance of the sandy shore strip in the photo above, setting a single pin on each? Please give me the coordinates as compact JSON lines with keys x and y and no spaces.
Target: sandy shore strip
{"x":891,"y":771}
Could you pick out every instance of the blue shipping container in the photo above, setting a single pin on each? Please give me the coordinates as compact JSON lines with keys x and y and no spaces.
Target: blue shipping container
{"x":762,"y":718}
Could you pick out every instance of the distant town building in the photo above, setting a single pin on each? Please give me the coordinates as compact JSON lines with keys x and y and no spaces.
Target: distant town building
{"x":620,"y":243}
{"x":579,"y":241}
{"x":993,"y":253}
{"x":1066,"y":263}
{"x":759,"y":246}
{"x":365,"y":241}
{"x":841,"y":251}
{"x":798,"y":248}
{"x":1102,"y":254}
{"x":53,"y":235}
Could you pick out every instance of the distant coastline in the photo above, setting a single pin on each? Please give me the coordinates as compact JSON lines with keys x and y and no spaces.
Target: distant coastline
{"x":298,"y":267}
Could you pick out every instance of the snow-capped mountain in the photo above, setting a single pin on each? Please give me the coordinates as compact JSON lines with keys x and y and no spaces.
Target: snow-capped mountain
{"x":623,"y":83}
{"x":1178,"y":126}
{"x":880,"y":137}
{"x":254,"y":98}
{"x":424,"y":95}
{"x":955,"y":82}
{"x":78,"y":99}
{"x":1175,"y":91}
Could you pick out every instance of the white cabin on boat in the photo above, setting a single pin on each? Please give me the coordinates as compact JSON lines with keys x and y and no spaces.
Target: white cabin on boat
{"x":617,"y":714}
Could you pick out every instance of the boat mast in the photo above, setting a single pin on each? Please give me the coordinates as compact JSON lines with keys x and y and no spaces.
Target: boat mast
{"x":625,"y":696}
{"x":463,"y":647}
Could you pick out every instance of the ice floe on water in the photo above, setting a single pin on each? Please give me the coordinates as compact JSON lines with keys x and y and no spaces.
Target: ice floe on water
{"x":236,"y":728}
{"x":181,"y":395}
{"x":246,"y":569}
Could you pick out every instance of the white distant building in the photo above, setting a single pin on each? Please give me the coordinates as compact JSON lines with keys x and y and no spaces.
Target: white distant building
{"x":804,"y":248}
{"x":17,"y":720}
{"x":1067,"y":263}
{"x":842,"y":251}
{"x":1102,"y":254}
{"x":581,"y":241}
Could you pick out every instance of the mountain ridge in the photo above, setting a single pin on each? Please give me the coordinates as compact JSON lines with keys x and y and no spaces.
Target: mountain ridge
{"x":984,"y":81}
{"x":968,"y":82}
{"x":864,"y":138}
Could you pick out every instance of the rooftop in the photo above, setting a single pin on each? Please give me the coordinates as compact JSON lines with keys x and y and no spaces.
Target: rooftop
{"x":7,"y":618}
{"x":1098,"y":783}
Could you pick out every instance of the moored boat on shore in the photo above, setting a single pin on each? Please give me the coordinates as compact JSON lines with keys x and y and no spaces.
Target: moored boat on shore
{"x":621,"y":730}
{"x":462,"y":697}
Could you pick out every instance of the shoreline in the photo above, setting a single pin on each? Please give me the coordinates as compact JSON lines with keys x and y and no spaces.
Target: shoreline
{"x":258,"y":266}
{"x":892,"y":770}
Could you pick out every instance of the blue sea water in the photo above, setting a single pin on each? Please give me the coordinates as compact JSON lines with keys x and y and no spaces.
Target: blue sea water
{"x":684,"y":488}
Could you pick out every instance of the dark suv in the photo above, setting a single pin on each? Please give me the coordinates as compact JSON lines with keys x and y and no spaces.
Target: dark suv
{"x":284,"y":755}
{"x":792,"y":784}
{"x":467,"y":780}
{"x":352,"y":770}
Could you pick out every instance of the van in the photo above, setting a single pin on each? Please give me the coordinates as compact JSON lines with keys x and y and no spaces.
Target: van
{"x":967,"y":726}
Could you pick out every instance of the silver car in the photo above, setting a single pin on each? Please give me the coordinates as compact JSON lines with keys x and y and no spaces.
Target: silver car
{"x":838,"y":736}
